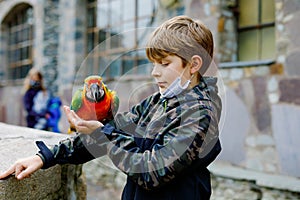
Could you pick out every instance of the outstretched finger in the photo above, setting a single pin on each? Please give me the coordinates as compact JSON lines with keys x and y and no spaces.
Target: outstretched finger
{"x":25,"y":173}
{"x":75,"y":115}
{"x":18,"y":170}
{"x":71,"y":115}
{"x":67,"y":110}
{"x":8,"y":172}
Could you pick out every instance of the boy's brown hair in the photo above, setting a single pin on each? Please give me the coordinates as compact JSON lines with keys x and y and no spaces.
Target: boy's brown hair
{"x":184,"y":37}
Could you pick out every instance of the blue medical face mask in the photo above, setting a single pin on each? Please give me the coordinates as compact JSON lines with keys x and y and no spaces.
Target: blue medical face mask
{"x":35,"y":84}
{"x":175,"y":88}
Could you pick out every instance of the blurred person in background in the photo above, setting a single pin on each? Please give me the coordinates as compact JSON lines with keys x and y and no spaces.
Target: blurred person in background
{"x":35,"y":100}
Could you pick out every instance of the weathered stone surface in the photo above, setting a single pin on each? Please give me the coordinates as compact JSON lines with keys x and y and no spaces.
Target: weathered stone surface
{"x":261,"y":109}
{"x":41,"y":185}
{"x":14,"y":114}
{"x":291,"y":6}
{"x":237,"y":178}
{"x":51,"y":41}
{"x":246,"y":92}
{"x":18,"y":142}
{"x":104,"y":180}
{"x":289,"y":91}
{"x":58,"y":182}
{"x":234,"y":131}
{"x":292,"y":63}
{"x":286,"y":126}
{"x":272,"y":84}
{"x":236,"y":74}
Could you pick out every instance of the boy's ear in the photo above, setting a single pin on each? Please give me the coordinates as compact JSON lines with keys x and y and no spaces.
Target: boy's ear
{"x":196,"y":64}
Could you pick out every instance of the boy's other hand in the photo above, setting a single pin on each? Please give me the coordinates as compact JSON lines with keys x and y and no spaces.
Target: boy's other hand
{"x":24,"y":168}
{"x":81,"y":125}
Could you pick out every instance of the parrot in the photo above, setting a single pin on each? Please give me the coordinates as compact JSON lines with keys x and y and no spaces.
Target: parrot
{"x":94,"y":101}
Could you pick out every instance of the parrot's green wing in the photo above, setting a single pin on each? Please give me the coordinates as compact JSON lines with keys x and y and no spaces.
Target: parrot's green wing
{"x":115,"y":102}
{"x":76,"y":100}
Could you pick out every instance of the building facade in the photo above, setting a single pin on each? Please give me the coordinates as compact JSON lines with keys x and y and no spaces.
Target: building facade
{"x":256,"y":52}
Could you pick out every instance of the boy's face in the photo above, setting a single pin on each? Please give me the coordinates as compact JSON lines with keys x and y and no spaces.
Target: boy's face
{"x":168,"y":70}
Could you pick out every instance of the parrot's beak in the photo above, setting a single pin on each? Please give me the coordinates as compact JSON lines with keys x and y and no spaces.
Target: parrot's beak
{"x":96,"y":92}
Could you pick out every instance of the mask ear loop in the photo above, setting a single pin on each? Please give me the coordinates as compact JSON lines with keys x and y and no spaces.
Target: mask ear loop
{"x":192,"y":77}
{"x":188,"y":81}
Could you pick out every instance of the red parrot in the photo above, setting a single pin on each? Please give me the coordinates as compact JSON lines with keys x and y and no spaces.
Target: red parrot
{"x":94,"y":101}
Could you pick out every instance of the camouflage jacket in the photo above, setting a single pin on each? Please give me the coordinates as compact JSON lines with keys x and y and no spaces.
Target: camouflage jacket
{"x":159,"y":143}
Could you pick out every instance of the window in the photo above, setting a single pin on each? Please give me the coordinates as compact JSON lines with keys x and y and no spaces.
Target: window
{"x":19,"y":27}
{"x":256,"y":30}
{"x":115,"y":32}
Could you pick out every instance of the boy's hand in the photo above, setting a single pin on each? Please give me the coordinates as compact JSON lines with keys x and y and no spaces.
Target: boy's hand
{"x":24,"y":168}
{"x":81,"y":126}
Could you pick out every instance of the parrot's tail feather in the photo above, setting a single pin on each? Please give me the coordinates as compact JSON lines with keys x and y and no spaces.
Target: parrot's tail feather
{"x":71,"y":130}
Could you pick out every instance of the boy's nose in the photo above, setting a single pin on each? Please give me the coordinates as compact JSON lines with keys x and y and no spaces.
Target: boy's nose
{"x":155,"y":71}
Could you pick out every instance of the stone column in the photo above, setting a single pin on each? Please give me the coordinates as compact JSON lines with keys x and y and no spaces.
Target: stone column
{"x":51,"y":41}
{"x":287,"y":33}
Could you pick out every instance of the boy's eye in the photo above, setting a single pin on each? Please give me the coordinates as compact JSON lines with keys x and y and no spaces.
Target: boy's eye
{"x":161,"y":64}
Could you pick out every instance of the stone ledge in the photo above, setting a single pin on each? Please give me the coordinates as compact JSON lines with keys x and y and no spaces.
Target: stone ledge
{"x":19,"y":142}
{"x":58,"y":182}
{"x":280,"y":182}
{"x":40,"y":185}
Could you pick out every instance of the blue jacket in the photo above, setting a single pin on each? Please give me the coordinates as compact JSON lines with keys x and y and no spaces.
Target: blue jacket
{"x":28,"y":101}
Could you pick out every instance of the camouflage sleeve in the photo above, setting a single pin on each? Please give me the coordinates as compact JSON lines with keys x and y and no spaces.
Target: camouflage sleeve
{"x":74,"y":150}
{"x":183,"y":148}
{"x":122,"y":120}
{"x":82,"y":148}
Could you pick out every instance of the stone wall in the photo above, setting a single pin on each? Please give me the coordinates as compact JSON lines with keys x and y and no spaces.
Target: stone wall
{"x":261,"y":101}
{"x":232,"y":182}
{"x":287,"y":18}
{"x":227,"y":36}
{"x":51,"y":44}
{"x":58,"y":182}
{"x":225,"y":188}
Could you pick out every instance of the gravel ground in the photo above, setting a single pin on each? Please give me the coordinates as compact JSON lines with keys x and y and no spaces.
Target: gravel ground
{"x":96,"y":192}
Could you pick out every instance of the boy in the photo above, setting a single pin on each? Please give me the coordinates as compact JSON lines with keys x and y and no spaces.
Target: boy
{"x":165,"y":143}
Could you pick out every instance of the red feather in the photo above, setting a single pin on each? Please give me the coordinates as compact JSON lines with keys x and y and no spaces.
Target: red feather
{"x":96,"y":110}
